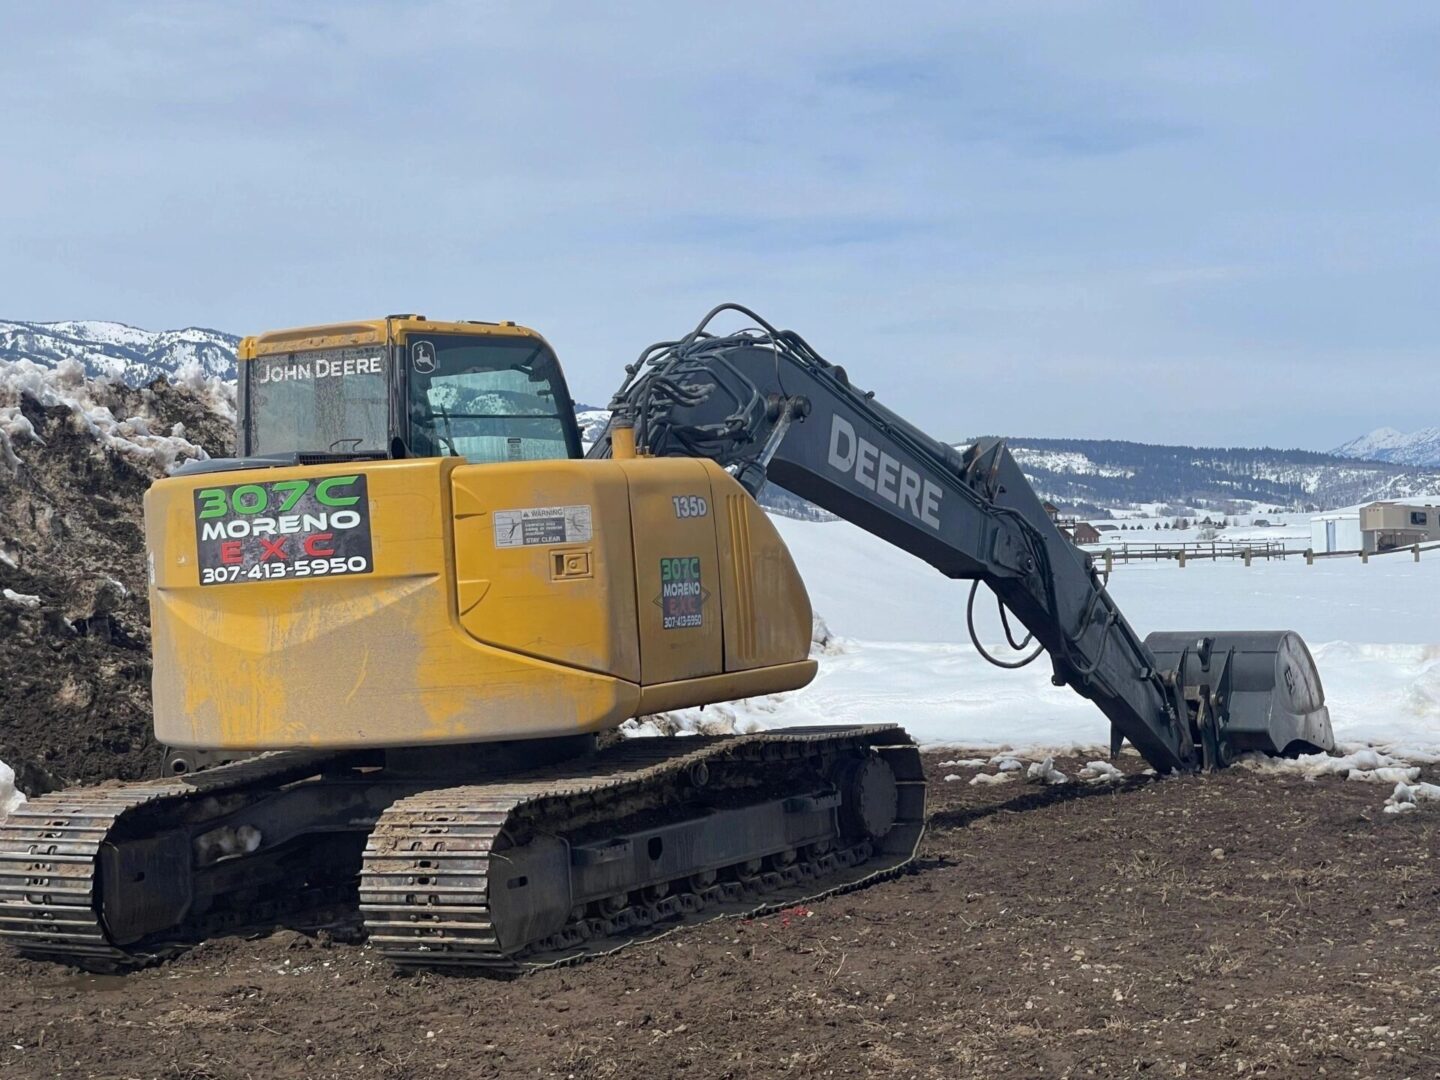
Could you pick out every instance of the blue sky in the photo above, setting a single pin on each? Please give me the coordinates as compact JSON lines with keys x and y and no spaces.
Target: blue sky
{"x":1173,"y":222}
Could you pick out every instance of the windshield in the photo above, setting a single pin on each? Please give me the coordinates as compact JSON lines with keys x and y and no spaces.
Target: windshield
{"x":326,"y":400}
{"x":487,"y":400}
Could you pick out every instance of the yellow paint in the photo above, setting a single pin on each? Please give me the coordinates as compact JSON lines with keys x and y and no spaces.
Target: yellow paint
{"x":368,"y":332}
{"x":622,"y":441}
{"x":585,"y":622}
{"x":668,"y":655}
{"x":687,"y":693}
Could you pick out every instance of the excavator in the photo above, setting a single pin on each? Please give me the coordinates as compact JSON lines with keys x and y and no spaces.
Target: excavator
{"x":389,"y":633}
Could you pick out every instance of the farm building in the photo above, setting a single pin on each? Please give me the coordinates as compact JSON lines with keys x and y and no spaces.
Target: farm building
{"x":1084,"y":533}
{"x":1337,"y":530}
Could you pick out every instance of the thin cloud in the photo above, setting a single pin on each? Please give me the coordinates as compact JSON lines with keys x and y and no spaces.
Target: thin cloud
{"x":1065,"y":219}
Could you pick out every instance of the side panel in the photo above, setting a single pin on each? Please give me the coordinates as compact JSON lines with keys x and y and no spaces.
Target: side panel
{"x":767,"y":611}
{"x":543,"y":562}
{"x":677,"y":569}
{"x":366,"y":659}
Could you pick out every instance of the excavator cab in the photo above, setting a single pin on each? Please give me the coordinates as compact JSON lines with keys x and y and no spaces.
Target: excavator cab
{"x":409,"y":550}
{"x":404,"y":386}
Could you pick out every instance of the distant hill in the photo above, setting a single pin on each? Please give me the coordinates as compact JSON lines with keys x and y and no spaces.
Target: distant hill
{"x":1386,"y":444}
{"x":114,"y":350}
{"x":1086,"y":474}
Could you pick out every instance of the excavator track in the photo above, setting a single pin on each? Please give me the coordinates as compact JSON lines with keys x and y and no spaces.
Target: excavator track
{"x":643,"y":838}
{"x":514,"y":872}
{"x":52,"y":850}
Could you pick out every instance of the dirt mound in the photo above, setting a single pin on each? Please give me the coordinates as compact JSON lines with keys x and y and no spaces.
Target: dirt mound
{"x":76,"y":457}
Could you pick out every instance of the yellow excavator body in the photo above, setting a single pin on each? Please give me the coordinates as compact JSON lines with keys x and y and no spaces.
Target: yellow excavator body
{"x":412,"y":587}
{"x":427,"y":600}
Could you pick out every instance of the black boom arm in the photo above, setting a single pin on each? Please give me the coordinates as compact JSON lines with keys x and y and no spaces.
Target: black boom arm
{"x":765,"y":405}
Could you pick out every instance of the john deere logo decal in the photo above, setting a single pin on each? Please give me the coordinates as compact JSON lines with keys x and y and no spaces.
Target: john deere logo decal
{"x":682,"y":593}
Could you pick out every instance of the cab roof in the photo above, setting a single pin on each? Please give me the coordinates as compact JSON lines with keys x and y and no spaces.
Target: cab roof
{"x":369,"y":332}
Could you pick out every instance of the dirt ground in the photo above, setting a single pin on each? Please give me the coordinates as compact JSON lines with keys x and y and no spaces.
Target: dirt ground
{"x":1231,"y":925}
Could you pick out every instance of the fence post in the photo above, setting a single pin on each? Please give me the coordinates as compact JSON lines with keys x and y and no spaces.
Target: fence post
{"x":1247,"y":556}
{"x":1110,"y":560}
{"x":1364,"y":555}
{"x":1417,"y":552}
{"x":1182,"y":558}
{"x":1309,"y":556}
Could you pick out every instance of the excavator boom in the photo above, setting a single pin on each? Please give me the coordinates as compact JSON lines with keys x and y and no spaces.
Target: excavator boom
{"x":764,"y":404}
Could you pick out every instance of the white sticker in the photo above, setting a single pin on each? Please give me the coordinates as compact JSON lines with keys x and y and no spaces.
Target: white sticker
{"x":542,"y":525}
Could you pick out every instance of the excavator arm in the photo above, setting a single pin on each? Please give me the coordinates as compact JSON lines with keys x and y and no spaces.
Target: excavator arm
{"x":764,"y":404}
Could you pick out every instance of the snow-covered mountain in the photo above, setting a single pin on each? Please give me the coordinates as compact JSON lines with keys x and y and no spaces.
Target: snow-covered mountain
{"x":1087,"y":475}
{"x":592,"y":420}
{"x":1386,"y":444}
{"x":117,"y":351}
{"x":1083,"y":475}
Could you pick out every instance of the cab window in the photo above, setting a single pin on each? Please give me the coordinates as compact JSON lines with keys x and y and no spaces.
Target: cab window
{"x":486,"y":400}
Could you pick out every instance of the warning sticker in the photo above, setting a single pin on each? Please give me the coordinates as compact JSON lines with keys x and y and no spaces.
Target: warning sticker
{"x":543,"y":525}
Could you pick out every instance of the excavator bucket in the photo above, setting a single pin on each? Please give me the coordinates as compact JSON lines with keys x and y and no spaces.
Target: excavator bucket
{"x":1262,"y":684}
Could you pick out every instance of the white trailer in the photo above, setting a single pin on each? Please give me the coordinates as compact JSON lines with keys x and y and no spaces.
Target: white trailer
{"x":1337,"y":530}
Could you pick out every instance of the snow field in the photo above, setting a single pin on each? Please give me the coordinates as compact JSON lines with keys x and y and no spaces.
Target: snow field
{"x":898,"y":652}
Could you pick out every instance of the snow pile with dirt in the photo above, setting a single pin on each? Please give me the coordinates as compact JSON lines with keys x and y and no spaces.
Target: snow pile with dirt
{"x":76,"y":456}
{"x":135,"y":434}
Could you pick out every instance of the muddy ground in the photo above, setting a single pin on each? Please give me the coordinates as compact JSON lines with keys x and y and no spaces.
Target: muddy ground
{"x":1231,"y":925}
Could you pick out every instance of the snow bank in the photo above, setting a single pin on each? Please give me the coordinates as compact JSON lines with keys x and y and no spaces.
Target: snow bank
{"x":1044,"y":772}
{"x":1407,"y":797}
{"x":24,"y":601}
{"x":11,"y":798}
{"x":905,"y":656}
{"x":131,"y":436}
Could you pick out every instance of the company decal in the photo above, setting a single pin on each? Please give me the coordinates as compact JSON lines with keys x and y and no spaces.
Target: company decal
{"x":334,"y":364}
{"x":543,"y":525}
{"x":682,"y":593}
{"x":422,"y":357}
{"x":283,"y":529}
{"x":882,"y":473}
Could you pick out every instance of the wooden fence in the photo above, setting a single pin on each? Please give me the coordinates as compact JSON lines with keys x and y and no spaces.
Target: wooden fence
{"x":1193,"y":550}
{"x":1243,"y":551}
